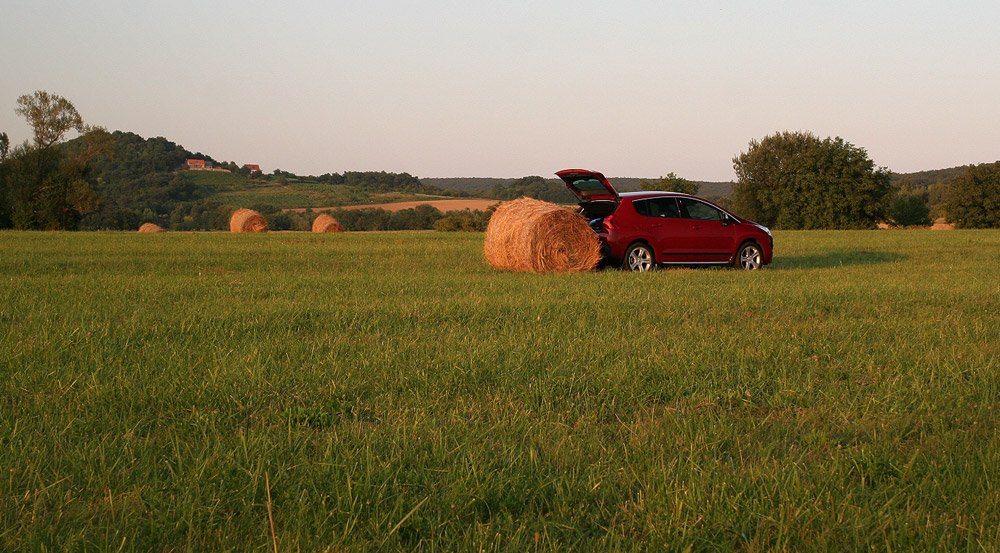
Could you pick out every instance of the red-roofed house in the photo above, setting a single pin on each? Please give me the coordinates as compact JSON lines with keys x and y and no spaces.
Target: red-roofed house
{"x":252,"y":167}
{"x":196,"y":164}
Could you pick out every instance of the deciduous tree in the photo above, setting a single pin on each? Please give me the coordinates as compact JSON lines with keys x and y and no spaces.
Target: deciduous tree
{"x":908,"y":206}
{"x":798,"y":181}
{"x":973,"y":199}
{"x":50,"y":116}
{"x":670,"y":183}
{"x":4,"y":206}
{"x":45,"y":185}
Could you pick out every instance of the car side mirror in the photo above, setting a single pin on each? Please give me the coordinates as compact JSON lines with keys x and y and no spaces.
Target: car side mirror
{"x":726,"y":220}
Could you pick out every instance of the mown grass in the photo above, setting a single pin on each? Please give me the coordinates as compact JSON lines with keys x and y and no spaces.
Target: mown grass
{"x":399,"y":394}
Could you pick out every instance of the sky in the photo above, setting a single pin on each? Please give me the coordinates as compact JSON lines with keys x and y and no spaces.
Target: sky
{"x":508,"y":89}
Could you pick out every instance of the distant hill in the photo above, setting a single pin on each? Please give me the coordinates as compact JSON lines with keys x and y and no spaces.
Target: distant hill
{"x":144,"y":180}
{"x":466,"y":184}
{"x":479,"y":186}
{"x":923,"y":179}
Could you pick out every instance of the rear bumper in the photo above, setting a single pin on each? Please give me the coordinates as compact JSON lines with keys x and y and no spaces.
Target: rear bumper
{"x":612,"y":249}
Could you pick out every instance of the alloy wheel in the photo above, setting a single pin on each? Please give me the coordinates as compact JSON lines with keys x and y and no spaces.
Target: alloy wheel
{"x":639,"y":259}
{"x":750,"y":258}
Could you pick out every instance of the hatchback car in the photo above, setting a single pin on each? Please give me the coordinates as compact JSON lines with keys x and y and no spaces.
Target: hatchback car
{"x":639,"y":230}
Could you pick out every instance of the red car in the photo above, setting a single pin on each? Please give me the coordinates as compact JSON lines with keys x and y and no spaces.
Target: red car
{"x":639,"y":230}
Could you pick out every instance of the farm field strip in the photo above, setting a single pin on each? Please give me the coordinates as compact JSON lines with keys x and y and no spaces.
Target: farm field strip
{"x":399,"y":394}
{"x":443,"y":205}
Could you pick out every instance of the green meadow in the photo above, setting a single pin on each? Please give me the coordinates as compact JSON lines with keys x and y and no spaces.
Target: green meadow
{"x":235,"y":189}
{"x":390,"y":391}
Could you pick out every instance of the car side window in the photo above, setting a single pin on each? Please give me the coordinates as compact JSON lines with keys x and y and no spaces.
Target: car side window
{"x":657,"y":207}
{"x":701,"y":211}
{"x":641,"y":207}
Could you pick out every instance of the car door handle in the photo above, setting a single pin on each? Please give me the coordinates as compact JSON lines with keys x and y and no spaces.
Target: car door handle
{"x":696,"y":227}
{"x":655,"y":225}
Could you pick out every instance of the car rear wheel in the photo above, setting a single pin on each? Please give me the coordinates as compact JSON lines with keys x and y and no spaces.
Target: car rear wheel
{"x":749,"y":257}
{"x":639,"y":258}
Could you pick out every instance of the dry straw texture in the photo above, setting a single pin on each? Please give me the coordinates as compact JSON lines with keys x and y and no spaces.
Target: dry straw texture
{"x":247,"y":220}
{"x":150,"y":227}
{"x":326,"y":223}
{"x":941,"y":224}
{"x":534,"y":236}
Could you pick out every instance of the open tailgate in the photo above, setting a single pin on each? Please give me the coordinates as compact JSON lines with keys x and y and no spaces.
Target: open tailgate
{"x":589,"y":186}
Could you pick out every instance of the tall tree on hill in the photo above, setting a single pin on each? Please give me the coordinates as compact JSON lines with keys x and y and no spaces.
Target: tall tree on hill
{"x":795,"y":180}
{"x":972,"y":200}
{"x":51,"y":116}
{"x":4,"y":207}
{"x":670,"y":183}
{"x":45,"y":186}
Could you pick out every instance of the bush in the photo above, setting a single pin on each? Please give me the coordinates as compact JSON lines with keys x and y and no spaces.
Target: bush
{"x":467,"y":221}
{"x":973,"y":198}
{"x":118,"y":218}
{"x":202,"y":215}
{"x":910,"y":206}
{"x":909,"y":210}
{"x":280,"y":221}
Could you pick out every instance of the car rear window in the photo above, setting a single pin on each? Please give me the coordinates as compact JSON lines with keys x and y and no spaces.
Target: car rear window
{"x":590,"y":185}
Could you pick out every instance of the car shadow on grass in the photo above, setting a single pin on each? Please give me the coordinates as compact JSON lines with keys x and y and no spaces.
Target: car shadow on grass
{"x":835,"y":259}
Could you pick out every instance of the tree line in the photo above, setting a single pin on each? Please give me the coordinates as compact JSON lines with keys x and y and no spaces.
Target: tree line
{"x":796,"y":180}
{"x":118,"y":180}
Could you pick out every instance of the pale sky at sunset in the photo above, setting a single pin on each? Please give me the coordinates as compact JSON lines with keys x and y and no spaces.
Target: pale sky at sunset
{"x":508,"y":89}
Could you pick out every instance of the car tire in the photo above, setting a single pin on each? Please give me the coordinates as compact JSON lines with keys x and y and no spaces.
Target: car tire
{"x":639,"y":258}
{"x":750,"y":257}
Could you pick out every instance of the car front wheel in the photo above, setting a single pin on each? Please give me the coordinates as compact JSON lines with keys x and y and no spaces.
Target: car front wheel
{"x":749,"y":257}
{"x":639,"y":258}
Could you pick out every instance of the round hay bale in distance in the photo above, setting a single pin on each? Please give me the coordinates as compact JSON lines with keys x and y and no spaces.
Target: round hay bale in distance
{"x":942,"y":224}
{"x":150,"y":227}
{"x":326,"y":223}
{"x":528,"y":235}
{"x":247,"y":220}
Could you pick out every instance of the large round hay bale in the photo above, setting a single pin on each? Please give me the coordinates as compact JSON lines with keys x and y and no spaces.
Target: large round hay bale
{"x":942,"y":224}
{"x":150,"y":227}
{"x":247,"y":220}
{"x":326,"y":223}
{"x":534,"y":236}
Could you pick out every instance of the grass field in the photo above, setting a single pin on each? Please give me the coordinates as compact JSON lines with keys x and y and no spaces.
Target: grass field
{"x":396,"y":393}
